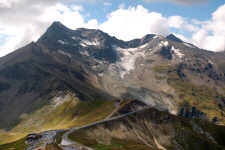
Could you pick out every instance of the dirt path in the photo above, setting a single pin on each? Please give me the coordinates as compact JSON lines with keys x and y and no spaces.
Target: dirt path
{"x":155,"y":140}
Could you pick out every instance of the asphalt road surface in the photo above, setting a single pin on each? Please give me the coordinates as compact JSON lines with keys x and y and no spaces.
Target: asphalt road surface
{"x":48,"y":137}
{"x":66,"y":142}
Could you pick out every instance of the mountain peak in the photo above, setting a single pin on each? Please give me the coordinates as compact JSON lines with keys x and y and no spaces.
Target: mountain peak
{"x":55,"y":30}
{"x":57,"y":26}
{"x":147,"y":37}
{"x":174,"y":38}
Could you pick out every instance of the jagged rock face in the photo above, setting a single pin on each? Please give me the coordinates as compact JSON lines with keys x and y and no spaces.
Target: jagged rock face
{"x":81,"y":42}
{"x":94,"y":65}
{"x":171,"y":37}
{"x":31,"y":77}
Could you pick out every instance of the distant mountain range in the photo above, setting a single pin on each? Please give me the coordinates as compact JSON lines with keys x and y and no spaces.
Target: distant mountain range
{"x":164,"y":72}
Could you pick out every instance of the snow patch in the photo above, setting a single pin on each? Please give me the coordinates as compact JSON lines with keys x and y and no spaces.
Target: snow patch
{"x":64,"y":53}
{"x":94,"y":67}
{"x":62,"y":42}
{"x":82,"y":44}
{"x":177,"y":52}
{"x":143,"y":46}
{"x":84,"y":53}
{"x":87,"y":42}
{"x":101,"y":74}
{"x":164,"y":43}
{"x":188,"y":45}
{"x":210,"y":62}
{"x":128,"y":58}
{"x":158,"y":36}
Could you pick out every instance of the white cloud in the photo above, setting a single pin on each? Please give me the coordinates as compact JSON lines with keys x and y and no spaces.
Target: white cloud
{"x":183,"y":38}
{"x":77,"y":7}
{"x":211,"y":35}
{"x":34,"y":21}
{"x":134,"y":22}
{"x":7,"y":3}
{"x":107,"y":4}
{"x":181,"y":23}
{"x":175,"y":21}
{"x":92,"y":24}
{"x":59,"y":12}
{"x":122,"y":6}
{"x":179,"y":1}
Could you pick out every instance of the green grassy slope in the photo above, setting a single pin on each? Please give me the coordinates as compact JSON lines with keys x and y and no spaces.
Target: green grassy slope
{"x":72,"y":112}
{"x":202,"y":98}
{"x":17,"y":145}
{"x":148,"y":129}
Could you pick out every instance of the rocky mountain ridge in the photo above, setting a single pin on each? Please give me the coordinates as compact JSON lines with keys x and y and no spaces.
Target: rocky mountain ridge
{"x":163,"y":72}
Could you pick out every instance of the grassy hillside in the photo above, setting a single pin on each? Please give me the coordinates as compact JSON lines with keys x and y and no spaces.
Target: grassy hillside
{"x":152,"y":129}
{"x":8,"y":137}
{"x":202,"y":97}
{"x":17,"y":145}
{"x":72,"y":112}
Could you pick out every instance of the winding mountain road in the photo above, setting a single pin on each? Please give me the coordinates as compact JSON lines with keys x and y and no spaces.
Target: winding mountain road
{"x":67,"y":144}
{"x":48,"y":137}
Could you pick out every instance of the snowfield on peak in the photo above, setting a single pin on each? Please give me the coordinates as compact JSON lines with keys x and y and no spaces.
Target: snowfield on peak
{"x":127,"y":58}
{"x":64,"y":53}
{"x":86,"y":42}
{"x":62,"y":42}
{"x":177,"y":52}
{"x":189,"y":45}
{"x":84,"y":53}
{"x":95,"y":43}
{"x":166,"y":43}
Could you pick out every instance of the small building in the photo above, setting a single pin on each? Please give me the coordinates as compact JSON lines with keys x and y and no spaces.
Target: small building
{"x":32,"y":137}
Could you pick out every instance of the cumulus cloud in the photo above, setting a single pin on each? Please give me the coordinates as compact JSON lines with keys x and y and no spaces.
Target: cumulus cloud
{"x":179,"y":22}
{"x":134,"y":22}
{"x":122,"y":6}
{"x":107,"y":4}
{"x":179,"y":1}
{"x":211,"y":35}
{"x":23,"y":21}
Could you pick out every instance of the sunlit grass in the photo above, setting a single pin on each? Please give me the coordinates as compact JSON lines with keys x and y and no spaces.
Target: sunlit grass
{"x":71,"y":113}
{"x":201,"y":97}
{"x":17,"y":145}
{"x":11,"y":136}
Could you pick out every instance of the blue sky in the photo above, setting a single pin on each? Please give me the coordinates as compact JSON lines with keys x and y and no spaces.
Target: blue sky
{"x":197,"y":21}
{"x":202,"y":11}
